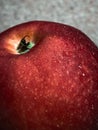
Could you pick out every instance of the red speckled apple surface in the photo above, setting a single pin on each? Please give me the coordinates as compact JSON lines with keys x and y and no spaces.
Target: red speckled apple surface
{"x":54,"y":86}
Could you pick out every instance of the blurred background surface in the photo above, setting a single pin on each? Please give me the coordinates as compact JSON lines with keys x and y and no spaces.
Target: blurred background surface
{"x":82,"y":14}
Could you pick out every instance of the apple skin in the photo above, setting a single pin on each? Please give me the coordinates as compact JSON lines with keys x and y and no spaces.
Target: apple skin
{"x":54,"y":86}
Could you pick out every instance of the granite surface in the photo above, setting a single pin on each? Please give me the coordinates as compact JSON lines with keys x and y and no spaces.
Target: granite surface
{"x":82,"y":14}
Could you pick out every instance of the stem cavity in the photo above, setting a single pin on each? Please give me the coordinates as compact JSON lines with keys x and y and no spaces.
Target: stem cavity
{"x":25,"y":45}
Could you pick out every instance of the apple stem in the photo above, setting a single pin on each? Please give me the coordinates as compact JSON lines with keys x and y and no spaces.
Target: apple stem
{"x":24,"y":45}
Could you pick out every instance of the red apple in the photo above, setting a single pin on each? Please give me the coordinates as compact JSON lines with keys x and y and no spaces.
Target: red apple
{"x":48,"y":78}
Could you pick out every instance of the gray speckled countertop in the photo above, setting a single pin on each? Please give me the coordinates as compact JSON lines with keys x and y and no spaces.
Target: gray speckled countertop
{"x":82,"y":14}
